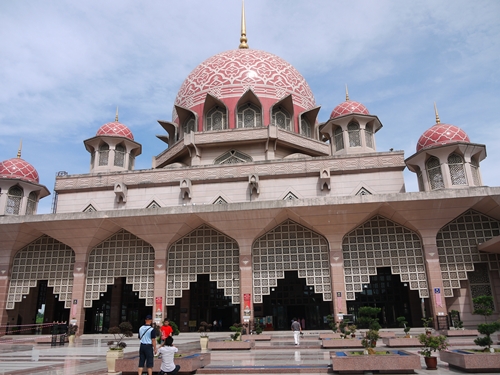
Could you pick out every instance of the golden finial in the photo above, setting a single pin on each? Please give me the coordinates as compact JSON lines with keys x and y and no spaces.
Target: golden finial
{"x":243,"y":39}
{"x":20,"y":148}
{"x":346,"y":93}
{"x":437,"y":114}
{"x":116,"y":116}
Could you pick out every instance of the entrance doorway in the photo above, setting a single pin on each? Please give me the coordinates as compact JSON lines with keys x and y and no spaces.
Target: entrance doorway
{"x":292,"y":298}
{"x":118,"y":304}
{"x":394,"y":298}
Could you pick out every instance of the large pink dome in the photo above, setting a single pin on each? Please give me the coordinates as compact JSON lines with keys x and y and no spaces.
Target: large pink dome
{"x":18,"y":168}
{"x":230,"y":74}
{"x":115,"y":129}
{"x":349,"y":107}
{"x":441,"y":134}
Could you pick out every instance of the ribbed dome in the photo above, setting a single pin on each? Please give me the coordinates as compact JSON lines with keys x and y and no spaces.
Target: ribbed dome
{"x":230,"y":74}
{"x":441,"y":134}
{"x":116,"y":129}
{"x":18,"y":168}
{"x":349,"y":107}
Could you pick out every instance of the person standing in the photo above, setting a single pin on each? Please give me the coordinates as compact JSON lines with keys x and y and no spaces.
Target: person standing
{"x":166,"y":330}
{"x":297,"y":329}
{"x":167,"y":352}
{"x":147,"y":349}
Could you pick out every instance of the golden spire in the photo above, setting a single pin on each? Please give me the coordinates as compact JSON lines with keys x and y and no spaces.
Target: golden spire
{"x":346,"y":93}
{"x":437,"y":114}
{"x":20,"y":148}
{"x":116,"y":116}
{"x":243,"y":39}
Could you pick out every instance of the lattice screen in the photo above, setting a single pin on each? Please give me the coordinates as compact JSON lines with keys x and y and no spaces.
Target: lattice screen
{"x":121,"y":255}
{"x":457,"y":247}
{"x":203,"y":251}
{"x":383,"y":243}
{"x":43,"y":259}
{"x":291,"y":247}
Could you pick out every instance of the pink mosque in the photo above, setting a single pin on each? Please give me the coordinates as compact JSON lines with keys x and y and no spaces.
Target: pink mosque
{"x":254,"y":211}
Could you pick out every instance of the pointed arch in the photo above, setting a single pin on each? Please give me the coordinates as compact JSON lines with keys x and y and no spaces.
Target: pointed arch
{"x":290,"y":247}
{"x":203,"y":251}
{"x":14,"y":200}
{"x":457,"y":170}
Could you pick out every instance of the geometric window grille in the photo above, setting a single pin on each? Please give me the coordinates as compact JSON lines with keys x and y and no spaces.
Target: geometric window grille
{"x":153,"y":204}
{"x":353,"y":131}
{"x":290,"y":247}
{"x":103,"y":154}
{"x":249,"y":116}
{"x":290,"y":197}
{"x":457,"y":247}
{"x":43,"y":259}
{"x":305,"y":128}
{"x":281,"y":119}
{"x":380,"y":242}
{"x":121,"y":255}
{"x":189,"y":125}
{"x":31,"y":206}
{"x":474,"y":166}
{"x":339,"y":139}
{"x":89,"y":208}
{"x":363,"y":191}
{"x":457,"y":171}
{"x":119,"y":156}
{"x":479,"y":281}
{"x":220,"y":200}
{"x":14,"y":199}
{"x":216,"y":119}
{"x":369,"y":136}
{"x":434,"y":172}
{"x":204,"y":251}
{"x":233,"y":157}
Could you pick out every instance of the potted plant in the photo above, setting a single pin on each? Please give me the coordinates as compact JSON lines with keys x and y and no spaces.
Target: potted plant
{"x":404,"y":323}
{"x":203,"y":329}
{"x":456,"y":323}
{"x":352,"y":330}
{"x":426,"y":322}
{"x":72,"y":329}
{"x":117,"y":345}
{"x":431,"y":343}
{"x":369,"y":342}
{"x":258,"y":328}
{"x":236,"y":328}
{"x":483,"y":305}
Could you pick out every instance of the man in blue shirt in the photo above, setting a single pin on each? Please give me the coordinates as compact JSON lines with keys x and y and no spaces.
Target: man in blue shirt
{"x":147,"y":350}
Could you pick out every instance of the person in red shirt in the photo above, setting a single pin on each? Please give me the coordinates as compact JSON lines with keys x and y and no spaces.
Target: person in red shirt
{"x":166,"y":330}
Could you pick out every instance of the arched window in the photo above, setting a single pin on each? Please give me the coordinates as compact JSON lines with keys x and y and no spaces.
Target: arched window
{"x":119,"y":156}
{"x":353,"y":131}
{"x":103,"y":154}
{"x":305,"y":127}
{"x":14,"y":199}
{"x":249,"y":116}
{"x":216,"y":119}
{"x":434,"y":172}
{"x":31,"y":206}
{"x":281,"y":118}
{"x":338,"y":134}
{"x":457,"y":171}
{"x":131,"y":161}
{"x":189,"y":126}
{"x":474,"y":166}
{"x":369,"y":136}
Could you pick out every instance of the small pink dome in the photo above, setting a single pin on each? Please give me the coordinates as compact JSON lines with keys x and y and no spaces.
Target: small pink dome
{"x":18,"y":168}
{"x":116,"y":129}
{"x":349,"y":107}
{"x":441,"y":134}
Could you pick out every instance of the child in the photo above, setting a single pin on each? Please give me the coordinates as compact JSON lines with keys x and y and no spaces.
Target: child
{"x":167,"y":351}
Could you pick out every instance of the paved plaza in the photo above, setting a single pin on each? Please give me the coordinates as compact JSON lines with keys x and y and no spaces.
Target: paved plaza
{"x":19,"y":356}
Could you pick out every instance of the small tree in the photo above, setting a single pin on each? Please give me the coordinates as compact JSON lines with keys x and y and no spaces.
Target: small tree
{"x":258,"y":328}
{"x":236,"y":328}
{"x":432,"y":343}
{"x":455,"y":319}
{"x":175,"y":328}
{"x":332,"y":323}
{"x":123,"y":330}
{"x":367,"y":317}
{"x":426,"y":322}
{"x":370,"y":340}
{"x":404,"y":324}
{"x":483,"y":305}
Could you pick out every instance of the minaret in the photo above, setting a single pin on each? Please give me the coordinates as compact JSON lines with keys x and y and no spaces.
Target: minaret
{"x":243,"y":38}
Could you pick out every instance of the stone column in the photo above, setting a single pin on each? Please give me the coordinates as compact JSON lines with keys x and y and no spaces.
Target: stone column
{"x":4,"y":289}
{"x":337,"y":275}
{"x":77,"y":310}
{"x":246,"y":283}
{"x":160,"y":290}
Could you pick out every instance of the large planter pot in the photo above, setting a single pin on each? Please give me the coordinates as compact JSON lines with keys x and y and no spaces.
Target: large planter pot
{"x":431,"y":363}
{"x":204,"y":343}
{"x":399,"y":361}
{"x":111,"y":357}
{"x":401,"y":342}
{"x":341,"y":343}
{"x":231,"y":345}
{"x":471,"y":361}
{"x":71,"y":339}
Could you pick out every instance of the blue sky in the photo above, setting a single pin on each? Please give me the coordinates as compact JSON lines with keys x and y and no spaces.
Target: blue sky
{"x":66,"y":65}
